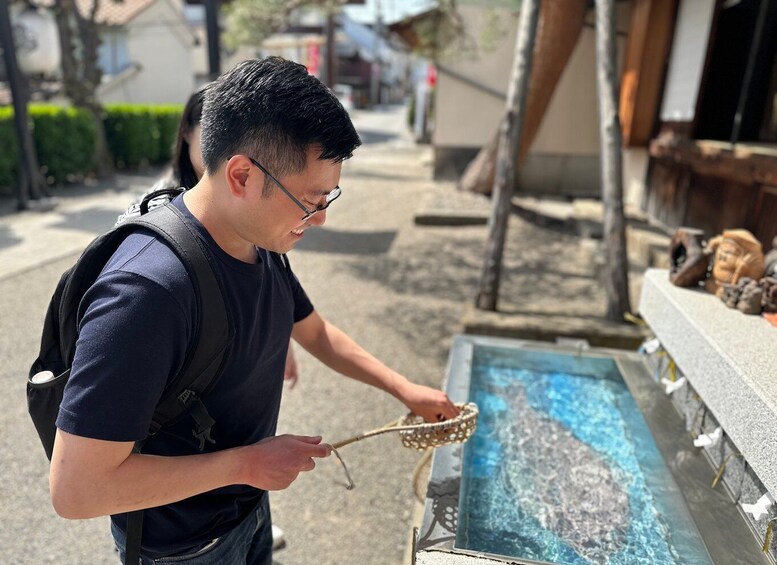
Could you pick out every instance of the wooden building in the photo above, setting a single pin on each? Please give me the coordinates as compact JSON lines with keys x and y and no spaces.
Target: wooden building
{"x":699,"y":91}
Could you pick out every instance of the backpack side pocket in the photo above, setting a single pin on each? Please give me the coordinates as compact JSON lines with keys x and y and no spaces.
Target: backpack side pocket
{"x":43,"y":400}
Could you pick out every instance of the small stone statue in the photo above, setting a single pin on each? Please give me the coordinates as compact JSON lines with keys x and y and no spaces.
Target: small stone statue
{"x":731,"y":294}
{"x":769,"y":298}
{"x":688,"y":260}
{"x":750,"y":299}
{"x":745,"y":296}
{"x":770,"y":261}
{"x":737,"y":254}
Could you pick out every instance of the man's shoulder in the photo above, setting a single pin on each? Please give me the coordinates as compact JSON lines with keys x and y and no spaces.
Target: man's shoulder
{"x":145,"y":254}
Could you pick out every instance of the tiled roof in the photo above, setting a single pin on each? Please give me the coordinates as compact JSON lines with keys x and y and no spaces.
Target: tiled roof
{"x":110,"y":12}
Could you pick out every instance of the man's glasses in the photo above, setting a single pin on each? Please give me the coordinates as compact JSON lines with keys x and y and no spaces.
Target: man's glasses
{"x":330,"y":197}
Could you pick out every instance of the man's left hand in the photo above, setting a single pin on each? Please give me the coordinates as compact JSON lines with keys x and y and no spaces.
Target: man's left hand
{"x":431,"y":404}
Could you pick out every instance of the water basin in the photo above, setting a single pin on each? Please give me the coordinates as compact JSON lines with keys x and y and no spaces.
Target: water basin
{"x":578,"y":459}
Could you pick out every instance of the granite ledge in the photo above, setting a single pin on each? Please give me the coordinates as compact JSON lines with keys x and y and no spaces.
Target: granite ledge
{"x":729,"y":358}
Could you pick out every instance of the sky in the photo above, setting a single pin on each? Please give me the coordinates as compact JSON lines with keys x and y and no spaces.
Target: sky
{"x":392,"y":10}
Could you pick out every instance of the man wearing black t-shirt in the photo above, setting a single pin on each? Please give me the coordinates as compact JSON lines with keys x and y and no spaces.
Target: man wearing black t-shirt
{"x":273,"y":140}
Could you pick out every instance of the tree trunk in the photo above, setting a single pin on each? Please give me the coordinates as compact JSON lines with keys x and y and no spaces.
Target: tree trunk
{"x":616,"y":280}
{"x":81,"y":76}
{"x":30,"y":184}
{"x":560,"y":25}
{"x":509,"y":141}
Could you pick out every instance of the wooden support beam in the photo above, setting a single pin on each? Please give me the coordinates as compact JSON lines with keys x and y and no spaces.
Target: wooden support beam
{"x":647,"y":48}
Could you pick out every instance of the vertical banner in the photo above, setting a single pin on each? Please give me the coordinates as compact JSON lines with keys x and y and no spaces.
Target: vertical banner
{"x":314,"y":58}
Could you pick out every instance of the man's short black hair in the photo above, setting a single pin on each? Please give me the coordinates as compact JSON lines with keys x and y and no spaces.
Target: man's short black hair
{"x":273,"y":110}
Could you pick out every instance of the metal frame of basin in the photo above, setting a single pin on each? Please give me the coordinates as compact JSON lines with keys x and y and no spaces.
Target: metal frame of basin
{"x":723,"y":529}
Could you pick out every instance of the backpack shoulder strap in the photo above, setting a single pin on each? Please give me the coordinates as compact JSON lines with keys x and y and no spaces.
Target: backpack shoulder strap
{"x":214,"y":332}
{"x":208,"y":350}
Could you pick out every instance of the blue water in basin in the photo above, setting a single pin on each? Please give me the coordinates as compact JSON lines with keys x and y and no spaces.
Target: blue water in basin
{"x":563,"y":468}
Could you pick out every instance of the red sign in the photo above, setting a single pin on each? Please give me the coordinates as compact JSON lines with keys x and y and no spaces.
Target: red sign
{"x":314,"y":58}
{"x":431,"y":75}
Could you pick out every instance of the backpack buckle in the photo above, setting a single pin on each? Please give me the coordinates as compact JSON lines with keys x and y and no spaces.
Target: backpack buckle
{"x":203,"y":420}
{"x":203,"y":435}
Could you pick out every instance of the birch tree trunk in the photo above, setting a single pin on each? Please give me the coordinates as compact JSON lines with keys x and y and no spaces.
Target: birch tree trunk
{"x":616,"y":280}
{"x":509,"y":141}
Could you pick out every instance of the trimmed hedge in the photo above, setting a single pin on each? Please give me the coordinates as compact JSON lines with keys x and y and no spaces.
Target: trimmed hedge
{"x":9,"y":150}
{"x":64,"y":141}
{"x":141,"y":134}
{"x":64,"y":138}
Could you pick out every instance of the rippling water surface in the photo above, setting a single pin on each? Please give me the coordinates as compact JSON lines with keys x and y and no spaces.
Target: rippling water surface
{"x":563,"y":469}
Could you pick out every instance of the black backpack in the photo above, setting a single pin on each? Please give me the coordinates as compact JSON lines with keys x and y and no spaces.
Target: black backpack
{"x":204,"y":359}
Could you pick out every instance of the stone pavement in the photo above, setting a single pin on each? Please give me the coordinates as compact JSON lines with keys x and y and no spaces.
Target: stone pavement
{"x":398,"y":287}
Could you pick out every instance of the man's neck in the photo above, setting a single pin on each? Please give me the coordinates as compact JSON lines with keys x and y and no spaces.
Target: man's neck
{"x":204,"y":203}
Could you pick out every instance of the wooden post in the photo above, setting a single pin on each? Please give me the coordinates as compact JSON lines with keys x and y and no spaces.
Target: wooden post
{"x":616,"y":280}
{"x":509,"y":142}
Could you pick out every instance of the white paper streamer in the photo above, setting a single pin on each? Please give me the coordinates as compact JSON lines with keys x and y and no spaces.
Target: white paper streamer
{"x":707,"y":440}
{"x":760,"y":508}
{"x":671,"y":386}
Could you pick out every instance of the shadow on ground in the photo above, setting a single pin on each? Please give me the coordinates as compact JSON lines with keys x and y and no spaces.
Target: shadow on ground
{"x":540,"y":268}
{"x":369,"y":136}
{"x":7,"y":238}
{"x":120,"y":182}
{"x":92,"y":219}
{"x":545,"y":273}
{"x":325,"y":240}
{"x":360,"y":172}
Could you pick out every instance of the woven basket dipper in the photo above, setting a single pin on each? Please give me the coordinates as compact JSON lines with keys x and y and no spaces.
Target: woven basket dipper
{"x":418,"y":434}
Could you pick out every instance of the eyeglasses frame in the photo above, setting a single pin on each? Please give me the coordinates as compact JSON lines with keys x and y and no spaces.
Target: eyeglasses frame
{"x":337,"y":191}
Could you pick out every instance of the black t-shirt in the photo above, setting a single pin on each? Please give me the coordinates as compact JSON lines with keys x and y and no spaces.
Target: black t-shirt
{"x":136,"y":323}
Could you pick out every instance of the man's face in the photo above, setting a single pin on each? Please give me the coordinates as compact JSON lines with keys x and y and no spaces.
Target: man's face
{"x":275,"y":221}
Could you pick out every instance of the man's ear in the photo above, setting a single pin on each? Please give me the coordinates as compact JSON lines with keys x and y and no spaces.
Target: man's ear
{"x":238,"y":172}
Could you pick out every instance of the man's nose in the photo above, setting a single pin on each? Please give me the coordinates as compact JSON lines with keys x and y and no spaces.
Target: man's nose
{"x":317,"y":219}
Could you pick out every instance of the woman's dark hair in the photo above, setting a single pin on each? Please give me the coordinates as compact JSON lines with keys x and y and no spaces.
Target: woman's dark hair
{"x":273,"y":110}
{"x":183,"y":170}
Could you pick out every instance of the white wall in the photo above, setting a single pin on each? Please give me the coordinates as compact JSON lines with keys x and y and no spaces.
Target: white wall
{"x":635,"y":164}
{"x":564,"y":158}
{"x":467,"y":117}
{"x":160,"y":42}
{"x":464,"y":115}
{"x":686,"y":61}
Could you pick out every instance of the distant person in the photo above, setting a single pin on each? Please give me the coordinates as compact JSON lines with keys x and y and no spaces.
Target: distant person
{"x":273,"y":141}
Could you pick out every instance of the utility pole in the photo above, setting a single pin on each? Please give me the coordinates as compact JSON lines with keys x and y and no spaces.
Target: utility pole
{"x":331,"y":47}
{"x":30,"y":184}
{"x":377,"y":69}
{"x":214,"y":43}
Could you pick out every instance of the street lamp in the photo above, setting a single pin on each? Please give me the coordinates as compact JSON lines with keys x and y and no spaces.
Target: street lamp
{"x":31,"y":185}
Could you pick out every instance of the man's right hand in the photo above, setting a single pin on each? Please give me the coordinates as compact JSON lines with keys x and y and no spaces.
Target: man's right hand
{"x":274,"y":463}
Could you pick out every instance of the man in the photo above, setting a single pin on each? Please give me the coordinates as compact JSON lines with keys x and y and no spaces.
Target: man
{"x":273,"y":140}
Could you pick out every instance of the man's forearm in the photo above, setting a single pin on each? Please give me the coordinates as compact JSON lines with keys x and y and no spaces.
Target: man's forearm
{"x":140,"y":481}
{"x":340,"y":353}
{"x":91,"y":477}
